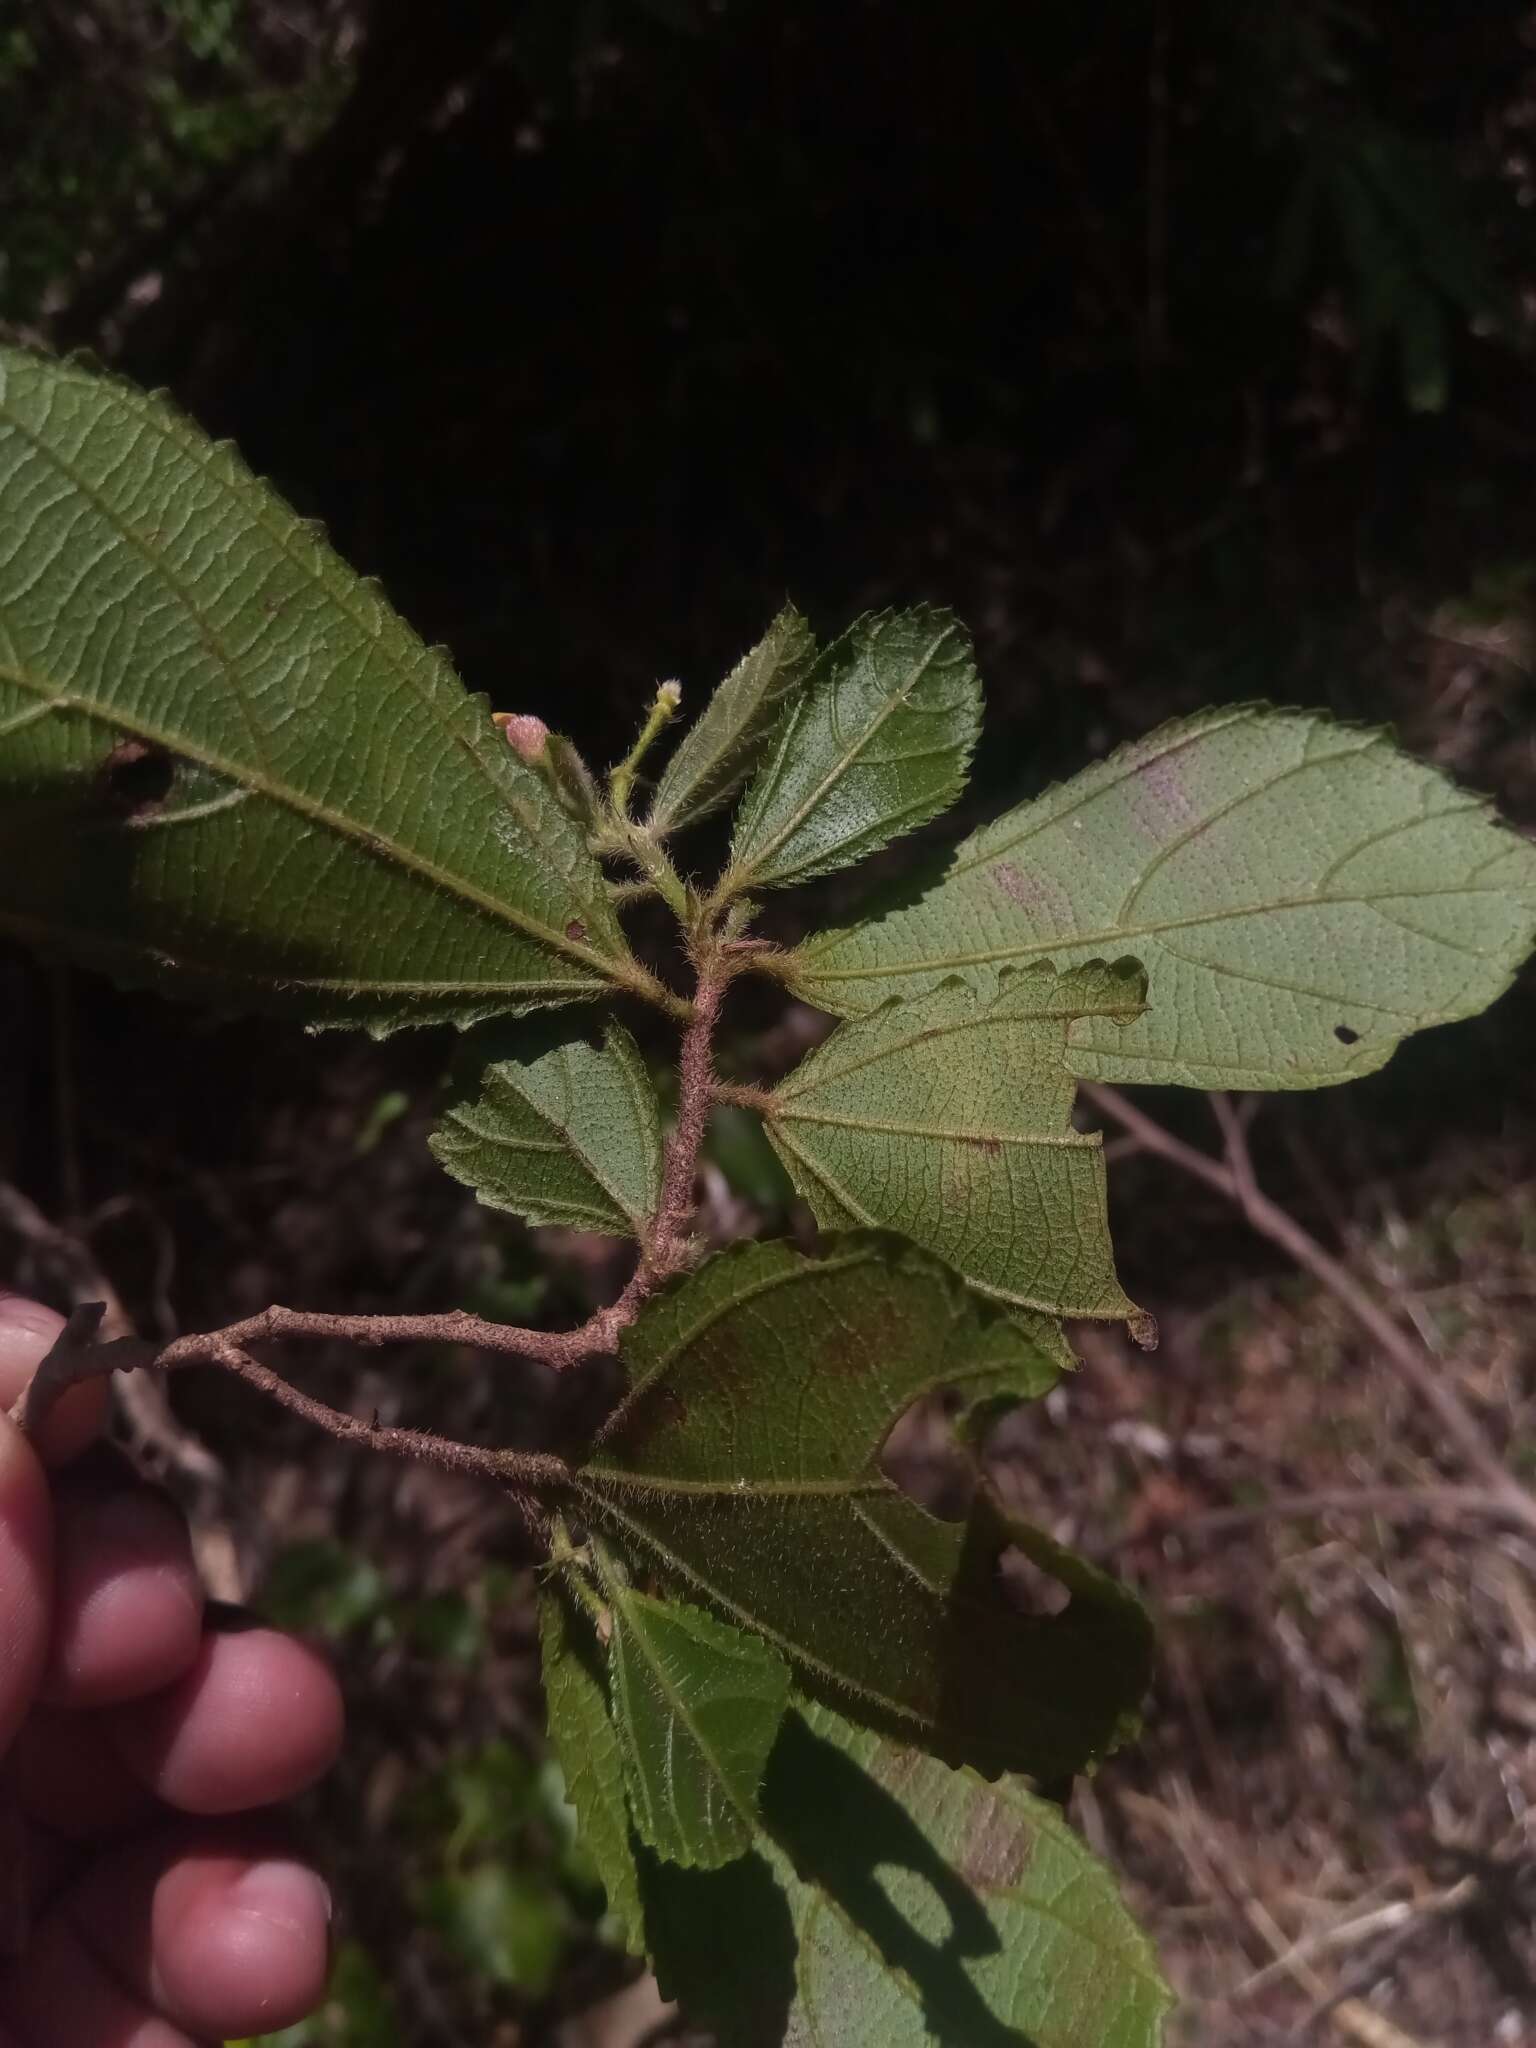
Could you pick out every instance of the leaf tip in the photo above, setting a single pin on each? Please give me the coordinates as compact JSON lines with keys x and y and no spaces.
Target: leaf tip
{"x":1143,"y":1330}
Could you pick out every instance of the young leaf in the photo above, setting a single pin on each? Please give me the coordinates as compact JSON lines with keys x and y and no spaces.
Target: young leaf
{"x":584,"y":1740}
{"x":555,"y":1129}
{"x":890,"y":1902}
{"x":743,"y":1468}
{"x":229,"y":766}
{"x":716,"y":755}
{"x":949,"y":1119}
{"x":697,"y":1705}
{"x":876,"y":744}
{"x":1301,"y":894}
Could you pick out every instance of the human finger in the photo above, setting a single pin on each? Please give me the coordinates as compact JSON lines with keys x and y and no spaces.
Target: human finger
{"x":128,"y":1604}
{"x":26,"y":1577}
{"x":71,"y":1780}
{"x":60,"y":1993}
{"x":224,"y":1930}
{"x":256,"y":1718}
{"x":27,"y":1334}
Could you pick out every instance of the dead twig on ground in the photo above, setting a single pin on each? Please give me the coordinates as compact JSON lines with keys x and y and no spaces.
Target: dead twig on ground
{"x":1452,"y":1504}
{"x":1215,"y":1871}
{"x":1234,"y":1177}
{"x":1401,"y":1918}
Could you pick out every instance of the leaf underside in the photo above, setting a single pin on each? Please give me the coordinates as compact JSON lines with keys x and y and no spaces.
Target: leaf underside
{"x":587,"y":1746}
{"x":948,"y":1118}
{"x":696,"y":1704}
{"x":226,"y":765}
{"x":875,"y":744}
{"x":890,"y":1902}
{"x":1301,"y":894}
{"x":719,"y":750}
{"x":742,"y":1470}
{"x":555,"y":1129}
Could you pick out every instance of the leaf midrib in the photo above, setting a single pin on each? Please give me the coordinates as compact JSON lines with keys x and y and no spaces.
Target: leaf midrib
{"x":167,"y":428}
{"x":858,"y":1487}
{"x":317,"y":813}
{"x":988,"y":849}
{"x":622,"y":1600}
{"x":995,"y":1014}
{"x":566,"y":1140}
{"x":1068,"y":1141}
{"x":1071,"y":941}
{"x":746,"y":1619}
{"x":1129,"y":1956}
{"x":817,"y":1171}
{"x":900,"y":1711}
{"x":700,"y":786}
{"x":45,"y":931}
{"x":783,"y":1276}
{"x":755,"y":863}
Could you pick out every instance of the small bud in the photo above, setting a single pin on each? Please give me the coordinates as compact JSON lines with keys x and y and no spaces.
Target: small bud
{"x":668,"y":697}
{"x":528,"y":735}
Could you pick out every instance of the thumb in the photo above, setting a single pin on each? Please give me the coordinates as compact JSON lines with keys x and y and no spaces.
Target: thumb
{"x":26,"y":1576}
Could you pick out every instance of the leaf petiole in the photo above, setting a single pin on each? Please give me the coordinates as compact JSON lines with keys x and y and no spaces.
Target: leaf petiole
{"x":621,"y":780}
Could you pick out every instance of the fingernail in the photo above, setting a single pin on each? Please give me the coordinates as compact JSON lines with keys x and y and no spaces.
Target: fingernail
{"x":288,"y":1894}
{"x":18,"y":1313}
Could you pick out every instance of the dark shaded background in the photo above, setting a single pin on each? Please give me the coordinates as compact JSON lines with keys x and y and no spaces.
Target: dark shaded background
{"x":1185,"y":350}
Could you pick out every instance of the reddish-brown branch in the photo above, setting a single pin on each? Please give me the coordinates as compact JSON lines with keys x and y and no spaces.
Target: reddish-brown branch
{"x":75,"y":1358}
{"x":522,"y":1468}
{"x":670,"y":1239}
{"x":667,"y":1248}
{"x":1235,"y":1179}
{"x":556,"y":1348}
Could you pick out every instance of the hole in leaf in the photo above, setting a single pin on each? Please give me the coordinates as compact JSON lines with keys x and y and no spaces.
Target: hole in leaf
{"x":922,"y":1457}
{"x":1027,"y":1587}
{"x":1345,"y":1036}
{"x":135,"y":776}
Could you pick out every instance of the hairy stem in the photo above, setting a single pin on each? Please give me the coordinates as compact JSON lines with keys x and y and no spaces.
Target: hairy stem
{"x":662,"y":712}
{"x":635,"y":843}
{"x":74,"y":1359}
{"x":741,"y":1095}
{"x":695,"y":1093}
{"x":667,"y":1248}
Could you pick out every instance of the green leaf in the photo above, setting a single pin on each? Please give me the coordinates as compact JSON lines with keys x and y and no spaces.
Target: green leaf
{"x":891,"y":1902}
{"x":582,"y":1733}
{"x":876,"y":744}
{"x":557,"y":1130}
{"x":572,"y":781}
{"x":949,"y":1119}
{"x":718,"y":752}
{"x":230,"y":768}
{"x":743,"y":1469}
{"x":1301,"y":894}
{"x":697,"y":1704}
